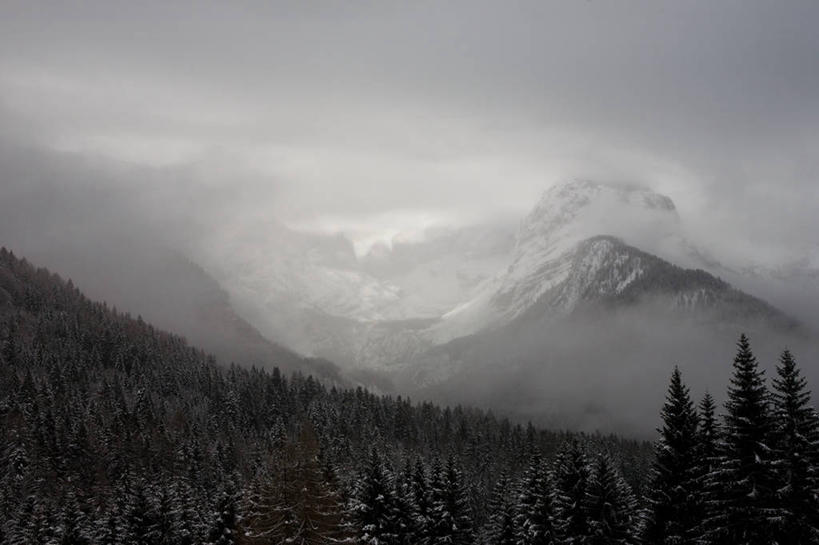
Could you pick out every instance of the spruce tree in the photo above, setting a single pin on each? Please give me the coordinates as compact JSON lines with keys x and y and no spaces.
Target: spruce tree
{"x":797,"y":450}
{"x":610,"y":507}
{"x":501,"y":527}
{"x":708,"y":436}
{"x":225,"y":521}
{"x":743,"y":484}
{"x":296,"y":505}
{"x":571,"y":484}
{"x":536,"y":522}
{"x":451,"y":516}
{"x":73,"y":530}
{"x":373,"y":507}
{"x":673,"y":493}
{"x":422,"y":502}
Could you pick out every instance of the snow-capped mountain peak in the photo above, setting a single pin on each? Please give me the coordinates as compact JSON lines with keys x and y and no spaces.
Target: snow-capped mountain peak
{"x":577,"y":209}
{"x":567,"y":214}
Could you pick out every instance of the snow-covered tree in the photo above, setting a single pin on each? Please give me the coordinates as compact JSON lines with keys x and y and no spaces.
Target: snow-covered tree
{"x":374,"y":507}
{"x":610,"y":506}
{"x":797,"y":454}
{"x":743,"y":486}
{"x":673,"y":492}
{"x":537,"y":521}
{"x":501,"y":528}
{"x":224,"y":525}
{"x":571,"y":481}
{"x":450,"y":514}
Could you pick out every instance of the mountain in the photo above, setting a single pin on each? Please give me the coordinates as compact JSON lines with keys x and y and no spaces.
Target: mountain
{"x":114,"y":431}
{"x":420,"y":313}
{"x":548,"y":240}
{"x":311,"y":291}
{"x":166,"y":288}
{"x":445,"y":267}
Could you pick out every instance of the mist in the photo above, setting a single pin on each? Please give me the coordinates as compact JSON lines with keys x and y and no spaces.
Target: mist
{"x":607,"y":370}
{"x":157,"y":154}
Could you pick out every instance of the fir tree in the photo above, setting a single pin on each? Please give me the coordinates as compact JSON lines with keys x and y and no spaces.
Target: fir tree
{"x":743,"y":483}
{"x":673,"y":492}
{"x":797,"y":450}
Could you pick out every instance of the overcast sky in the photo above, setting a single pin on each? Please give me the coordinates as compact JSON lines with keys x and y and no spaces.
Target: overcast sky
{"x":384,"y":117}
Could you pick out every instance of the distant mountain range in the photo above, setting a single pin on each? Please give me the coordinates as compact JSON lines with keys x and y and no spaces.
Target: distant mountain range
{"x":497,"y":314}
{"x":483,"y":311}
{"x":579,"y":244}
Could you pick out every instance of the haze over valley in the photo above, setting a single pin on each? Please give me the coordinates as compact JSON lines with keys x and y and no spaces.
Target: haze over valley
{"x":449,"y":214}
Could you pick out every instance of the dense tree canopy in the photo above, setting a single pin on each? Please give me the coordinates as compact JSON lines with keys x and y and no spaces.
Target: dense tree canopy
{"x":114,"y":432}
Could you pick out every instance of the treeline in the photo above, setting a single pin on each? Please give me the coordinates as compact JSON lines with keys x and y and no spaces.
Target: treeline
{"x":751,"y":478}
{"x":113,"y":432}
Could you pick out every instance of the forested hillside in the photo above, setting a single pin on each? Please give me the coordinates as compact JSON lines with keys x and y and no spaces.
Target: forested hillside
{"x":114,"y":432}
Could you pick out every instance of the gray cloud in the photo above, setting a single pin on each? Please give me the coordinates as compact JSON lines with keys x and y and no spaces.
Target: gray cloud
{"x":128,"y":129}
{"x":338,"y":116}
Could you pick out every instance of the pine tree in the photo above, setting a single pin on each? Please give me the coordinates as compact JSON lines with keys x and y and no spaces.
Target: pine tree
{"x":571,"y":484}
{"x":536,"y":521}
{"x":743,"y":483}
{"x":797,"y":450}
{"x":673,"y":493}
{"x":610,"y":507}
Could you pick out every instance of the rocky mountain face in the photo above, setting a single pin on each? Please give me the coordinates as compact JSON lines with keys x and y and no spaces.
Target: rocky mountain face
{"x":312,"y":293}
{"x":425,"y":312}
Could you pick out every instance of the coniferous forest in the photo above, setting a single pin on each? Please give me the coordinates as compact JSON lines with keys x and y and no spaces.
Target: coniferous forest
{"x":113,"y":432}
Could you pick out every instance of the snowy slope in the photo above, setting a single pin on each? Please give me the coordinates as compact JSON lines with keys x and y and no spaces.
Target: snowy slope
{"x":311,"y":292}
{"x":582,"y":244}
{"x":548,"y":239}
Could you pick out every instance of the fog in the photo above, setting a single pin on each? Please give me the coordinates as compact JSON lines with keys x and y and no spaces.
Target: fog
{"x":133,"y":135}
{"x":608,"y":370}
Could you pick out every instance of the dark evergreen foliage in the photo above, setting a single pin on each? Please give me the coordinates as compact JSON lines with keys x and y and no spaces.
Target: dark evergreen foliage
{"x":537,"y":519}
{"x":673,"y":494}
{"x":501,"y":529}
{"x":113,"y":432}
{"x":610,"y":506}
{"x":571,"y":485}
{"x":375,"y":505}
{"x":451,"y":519}
{"x":744,"y":508}
{"x":797,"y":454}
